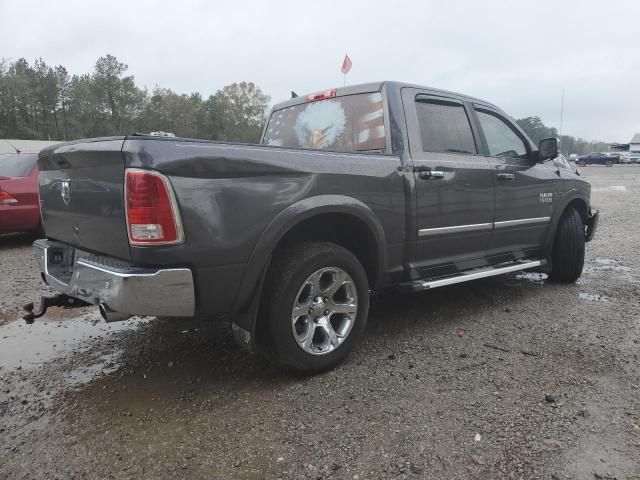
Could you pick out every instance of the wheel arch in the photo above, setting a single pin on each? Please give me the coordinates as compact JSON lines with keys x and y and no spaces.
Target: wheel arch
{"x":573,"y":199}
{"x":289,"y":225}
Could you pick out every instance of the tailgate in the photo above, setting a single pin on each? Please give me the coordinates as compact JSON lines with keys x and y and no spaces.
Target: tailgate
{"x":81,"y":195}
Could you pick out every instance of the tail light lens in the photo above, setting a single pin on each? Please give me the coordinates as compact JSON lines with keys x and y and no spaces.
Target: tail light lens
{"x":152,"y":212}
{"x":6,"y":199}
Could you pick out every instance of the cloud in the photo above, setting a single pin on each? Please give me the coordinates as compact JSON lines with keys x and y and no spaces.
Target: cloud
{"x":515,"y":56}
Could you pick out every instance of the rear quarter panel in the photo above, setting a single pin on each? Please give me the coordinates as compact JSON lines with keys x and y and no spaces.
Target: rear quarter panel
{"x":228,"y":194}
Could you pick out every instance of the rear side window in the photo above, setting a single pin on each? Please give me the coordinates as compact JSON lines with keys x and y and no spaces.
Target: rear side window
{"x":352,"y":123}
{"x":444,"y":127}
{"x":501,"y":139}
{"x":17,"y":164}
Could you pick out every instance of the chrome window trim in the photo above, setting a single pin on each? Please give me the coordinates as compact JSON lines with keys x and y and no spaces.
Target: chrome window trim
{"x":476,"y":227}
{"x":521,"y":221}
{"x":425,"y":232}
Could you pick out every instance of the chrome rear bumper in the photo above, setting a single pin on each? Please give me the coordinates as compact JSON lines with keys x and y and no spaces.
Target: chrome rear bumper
{"x":121,"y":286}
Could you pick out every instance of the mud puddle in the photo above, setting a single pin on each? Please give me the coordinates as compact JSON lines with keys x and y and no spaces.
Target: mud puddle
{"x":57,"y":334}
{"x":593,"y":297}
{"x":39,"y":362}
{"x":533,"y":277}
{"x":610,"y":188}
{"x":600,"y":267}
{"x":609,"y":264}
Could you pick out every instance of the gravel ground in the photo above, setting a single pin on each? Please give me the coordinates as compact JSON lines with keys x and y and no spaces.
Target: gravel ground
{"x":509,"y":377}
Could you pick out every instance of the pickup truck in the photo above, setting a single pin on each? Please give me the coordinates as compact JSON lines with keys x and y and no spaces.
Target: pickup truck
{"x":598,"y":158}
{"x":352,"y":190}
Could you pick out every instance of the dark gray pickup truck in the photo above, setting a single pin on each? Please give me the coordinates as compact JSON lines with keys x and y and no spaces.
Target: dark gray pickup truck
{"x":353,"y":189}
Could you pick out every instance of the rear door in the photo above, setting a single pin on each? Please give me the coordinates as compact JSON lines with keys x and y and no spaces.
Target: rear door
{"x":453,"y":184}
{"x":524,"y":193}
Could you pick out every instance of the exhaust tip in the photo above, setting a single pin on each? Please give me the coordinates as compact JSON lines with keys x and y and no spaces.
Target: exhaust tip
{"x":111,"y":316}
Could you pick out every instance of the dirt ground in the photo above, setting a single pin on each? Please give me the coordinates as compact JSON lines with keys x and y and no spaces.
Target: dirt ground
{"x":509,"y":377}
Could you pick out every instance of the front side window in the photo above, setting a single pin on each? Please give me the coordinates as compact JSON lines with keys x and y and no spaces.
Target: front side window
{"x":444,"y":127}
{"x":501,"y":139}
{"x":353,"y":123}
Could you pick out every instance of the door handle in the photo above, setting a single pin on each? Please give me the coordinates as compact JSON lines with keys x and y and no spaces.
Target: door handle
{"x":430,"y":174}
{"x":506,"y":176}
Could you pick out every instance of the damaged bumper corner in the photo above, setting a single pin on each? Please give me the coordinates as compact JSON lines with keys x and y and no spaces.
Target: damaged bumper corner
{"x":122,"y":287}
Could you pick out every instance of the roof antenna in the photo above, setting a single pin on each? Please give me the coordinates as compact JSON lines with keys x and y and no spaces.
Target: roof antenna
{"x":293,"y":94}
{"x":13,"y":146}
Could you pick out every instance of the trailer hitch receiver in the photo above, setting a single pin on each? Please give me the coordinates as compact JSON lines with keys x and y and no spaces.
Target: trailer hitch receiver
{"x":59,"y":300}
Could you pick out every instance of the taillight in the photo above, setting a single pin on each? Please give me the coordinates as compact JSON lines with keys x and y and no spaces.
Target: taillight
{"x":6,"y":199}
{"x":152,"y":212}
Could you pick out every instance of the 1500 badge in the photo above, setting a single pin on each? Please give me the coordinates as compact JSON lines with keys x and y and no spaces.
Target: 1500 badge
{"x":546,"y":197}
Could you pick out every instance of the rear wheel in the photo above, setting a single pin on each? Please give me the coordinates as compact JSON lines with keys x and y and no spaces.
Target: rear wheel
{"x":609,"y":163}
{"x":315,"y":302}
{"x":567,"y":256}
{"x":582,"y":163}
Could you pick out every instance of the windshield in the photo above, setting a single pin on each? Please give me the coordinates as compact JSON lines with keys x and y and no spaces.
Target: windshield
{"x":346,"y":124}
{"x":17,"y":164}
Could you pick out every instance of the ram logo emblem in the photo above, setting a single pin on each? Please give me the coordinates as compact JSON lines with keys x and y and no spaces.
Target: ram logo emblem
{"x":546,"y":197}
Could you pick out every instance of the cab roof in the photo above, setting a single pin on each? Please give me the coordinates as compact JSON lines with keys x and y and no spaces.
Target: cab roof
{"x":376,"y":87}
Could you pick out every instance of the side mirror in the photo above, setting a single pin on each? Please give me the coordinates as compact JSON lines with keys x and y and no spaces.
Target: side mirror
{"x":548,"y":148}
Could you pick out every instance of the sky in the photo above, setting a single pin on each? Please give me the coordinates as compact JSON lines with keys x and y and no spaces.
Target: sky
{"x":518,"y":55}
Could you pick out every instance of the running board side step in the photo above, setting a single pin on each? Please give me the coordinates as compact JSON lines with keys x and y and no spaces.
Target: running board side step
{"x":475,"y":274}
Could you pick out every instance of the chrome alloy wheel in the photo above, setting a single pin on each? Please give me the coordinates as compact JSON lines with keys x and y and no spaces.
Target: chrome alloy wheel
{"x":324,"y":310}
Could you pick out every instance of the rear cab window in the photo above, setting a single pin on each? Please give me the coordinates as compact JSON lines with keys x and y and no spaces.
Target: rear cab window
{"x":350,"y":123}
{"x":17,"y":164}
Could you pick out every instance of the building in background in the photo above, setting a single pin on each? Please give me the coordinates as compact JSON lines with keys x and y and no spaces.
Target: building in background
{"x":629,"y":152}
{"x":634,"y":146}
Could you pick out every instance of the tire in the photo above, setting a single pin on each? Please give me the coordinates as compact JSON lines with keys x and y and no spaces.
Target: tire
{"x":567,"y":256}
{"x":609,"y":163}
{"x":582,"y":163}
{"x":293,"y":309}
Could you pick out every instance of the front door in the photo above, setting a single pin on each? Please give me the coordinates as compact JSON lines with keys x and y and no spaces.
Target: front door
{"x":453,"y":184}
{"x":524,"y":188}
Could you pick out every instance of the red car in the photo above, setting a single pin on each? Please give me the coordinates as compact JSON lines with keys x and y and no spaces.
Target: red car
{"x":19,"y":201}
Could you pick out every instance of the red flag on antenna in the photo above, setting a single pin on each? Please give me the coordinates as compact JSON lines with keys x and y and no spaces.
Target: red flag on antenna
{"x":346,"y":64}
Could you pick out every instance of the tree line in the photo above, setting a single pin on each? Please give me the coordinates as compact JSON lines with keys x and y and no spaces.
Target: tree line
{"x":536,"y":130}
{"x":44,"y":102}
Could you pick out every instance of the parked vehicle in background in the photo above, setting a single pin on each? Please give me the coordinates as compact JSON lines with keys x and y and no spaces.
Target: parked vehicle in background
{"x":19,"y":205}
{"x":383,"y":185}
{"x":624,"y":158}
{"x":573,"y":157}
{"x":598,"y":158}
